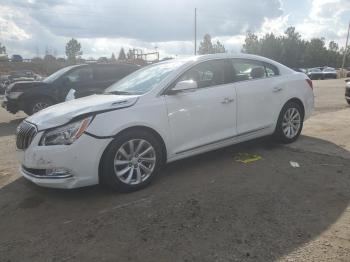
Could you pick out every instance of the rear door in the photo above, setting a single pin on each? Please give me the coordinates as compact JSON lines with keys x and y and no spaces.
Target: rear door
{"x":258,"y":95}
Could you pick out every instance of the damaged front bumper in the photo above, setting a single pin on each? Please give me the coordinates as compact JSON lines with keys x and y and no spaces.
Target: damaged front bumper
{"x":63,"y":166}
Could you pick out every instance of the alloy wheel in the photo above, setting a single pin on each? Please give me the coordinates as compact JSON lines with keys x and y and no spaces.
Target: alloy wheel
{"x":291,"y":123}
{"x":134,"y":161}
{"x":39,"y":106}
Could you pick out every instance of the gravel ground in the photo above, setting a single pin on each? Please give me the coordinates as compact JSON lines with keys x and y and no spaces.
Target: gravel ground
{"x":206,"y":208}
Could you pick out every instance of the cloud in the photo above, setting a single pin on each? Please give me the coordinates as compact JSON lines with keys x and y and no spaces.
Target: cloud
{"x":106,"y":25}
{"x":326,"y":20}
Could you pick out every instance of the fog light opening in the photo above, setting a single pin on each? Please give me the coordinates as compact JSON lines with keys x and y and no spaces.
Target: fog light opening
{"x":58,"y":172}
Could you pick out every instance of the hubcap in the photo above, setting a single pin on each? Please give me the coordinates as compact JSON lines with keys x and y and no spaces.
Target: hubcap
{"x":291,"y":123}
{"x":39,"y":106}
{"x":134,"y":161}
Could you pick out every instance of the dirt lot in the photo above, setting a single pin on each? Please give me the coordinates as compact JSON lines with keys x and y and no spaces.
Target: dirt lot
{"x":207,"y":208}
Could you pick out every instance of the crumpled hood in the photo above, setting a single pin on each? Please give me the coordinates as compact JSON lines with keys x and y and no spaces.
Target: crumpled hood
{"x":62,"y":113}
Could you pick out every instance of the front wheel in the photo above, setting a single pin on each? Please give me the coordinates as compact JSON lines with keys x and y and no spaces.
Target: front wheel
{"x":290,"y":123}
{"x":131,"y":161}
{"x":348,"y":102}
{"x":37,"y":105}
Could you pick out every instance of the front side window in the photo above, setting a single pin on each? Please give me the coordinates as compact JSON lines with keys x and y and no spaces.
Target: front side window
{"x":248,"y":70}
{"x":207,"y":74}
{"x":81,"y":75}
{"x":53,"y":77}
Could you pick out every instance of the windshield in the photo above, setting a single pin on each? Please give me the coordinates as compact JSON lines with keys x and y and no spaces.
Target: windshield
{"x":144,"y":80}
{"x":57,"y":74}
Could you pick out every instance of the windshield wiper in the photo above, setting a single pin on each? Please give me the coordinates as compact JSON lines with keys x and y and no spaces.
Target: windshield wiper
{"x":117,"y":93}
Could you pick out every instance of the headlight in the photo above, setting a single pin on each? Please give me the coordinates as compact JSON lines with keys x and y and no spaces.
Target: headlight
{"x":65,"y":135}
{"x":14,"y":95}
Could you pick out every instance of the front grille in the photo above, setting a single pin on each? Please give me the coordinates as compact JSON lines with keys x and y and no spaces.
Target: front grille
{"x":25,"y":134}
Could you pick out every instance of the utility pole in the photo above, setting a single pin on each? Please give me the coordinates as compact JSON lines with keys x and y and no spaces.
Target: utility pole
{"x":346,"y":51}
{"x":195,"y":31}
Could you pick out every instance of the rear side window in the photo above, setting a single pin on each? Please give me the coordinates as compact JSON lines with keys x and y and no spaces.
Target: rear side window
{"x":248,"y":70}
{"x":271,"y":70}
{"x":211,"y":73}
{"x":105,"y":73}
{"x":245,"y":69}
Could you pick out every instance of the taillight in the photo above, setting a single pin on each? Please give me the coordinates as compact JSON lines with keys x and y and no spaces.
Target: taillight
{"x":309,"y":81}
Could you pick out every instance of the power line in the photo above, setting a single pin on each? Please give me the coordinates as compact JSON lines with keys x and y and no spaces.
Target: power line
{"x":195,"y":31}
{"x":346,"y":50}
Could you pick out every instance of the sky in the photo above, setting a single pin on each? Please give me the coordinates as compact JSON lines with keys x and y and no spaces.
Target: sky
{"x":29,"y":27}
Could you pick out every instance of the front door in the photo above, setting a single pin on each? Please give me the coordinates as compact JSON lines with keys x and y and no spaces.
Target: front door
{"x":206,"y":114}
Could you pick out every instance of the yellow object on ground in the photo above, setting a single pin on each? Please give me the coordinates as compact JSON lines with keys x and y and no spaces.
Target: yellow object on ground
{"x":247,"y":158}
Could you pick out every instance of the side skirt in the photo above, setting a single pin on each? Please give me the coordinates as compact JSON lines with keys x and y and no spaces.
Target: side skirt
{"x":264,"y":131}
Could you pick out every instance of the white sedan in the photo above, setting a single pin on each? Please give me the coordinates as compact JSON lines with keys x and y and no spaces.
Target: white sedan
{"x":162,"y":113}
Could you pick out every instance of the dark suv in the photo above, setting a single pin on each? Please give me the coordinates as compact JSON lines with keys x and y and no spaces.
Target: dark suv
{"x":87,"y":79}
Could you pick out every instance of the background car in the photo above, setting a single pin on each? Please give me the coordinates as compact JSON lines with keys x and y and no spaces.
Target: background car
{"x":347,"y":91}
{"x":16,"y":58}
{"x":300,"y":70}
{"x":329,"y":72}
{"x":86,"y":79}
{"x":315,"y":73}
{"x":16,"y":76}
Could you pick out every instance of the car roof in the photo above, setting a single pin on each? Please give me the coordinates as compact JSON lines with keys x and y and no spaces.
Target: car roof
{"x":202,"y":58}
{"x":113,"y":65}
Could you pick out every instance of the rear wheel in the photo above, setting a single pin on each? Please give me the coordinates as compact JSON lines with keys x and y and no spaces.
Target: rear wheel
{"x":290,"y":123}
{"x":131,"y":161}
{"x":348,"y":101}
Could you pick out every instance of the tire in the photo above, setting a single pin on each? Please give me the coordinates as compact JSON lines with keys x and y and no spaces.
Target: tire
{"x":290,"y":110}
{"x":131,"y":173}
{"x":38,"y":104}
{"x":348,"y":102}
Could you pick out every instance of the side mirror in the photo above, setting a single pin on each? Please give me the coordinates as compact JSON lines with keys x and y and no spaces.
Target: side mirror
{"x":183,"y":86}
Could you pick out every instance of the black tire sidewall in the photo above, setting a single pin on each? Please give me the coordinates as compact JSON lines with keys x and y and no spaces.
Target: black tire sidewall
{"x":30,"y":108}
{"x":279,"y":134}
{"x":107,"y":175}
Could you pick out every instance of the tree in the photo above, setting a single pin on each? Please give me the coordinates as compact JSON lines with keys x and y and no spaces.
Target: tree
{"x":207,"y":46}
{"x":122,"y":55}
{"x":333,"y":46}
{"x":219,"y":47}
{"x":2,"y":49}
{"x":73,"y":50}
{"x":315,"y":53}
{"x":293,"y":48}
{"x":113,"y":58}
{"x":251,"y":44}
{"x":271,"y":46}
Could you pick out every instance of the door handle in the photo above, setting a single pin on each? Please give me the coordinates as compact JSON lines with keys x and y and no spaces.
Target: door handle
{"x":277,"y":89}
{"x":227,"y":100}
